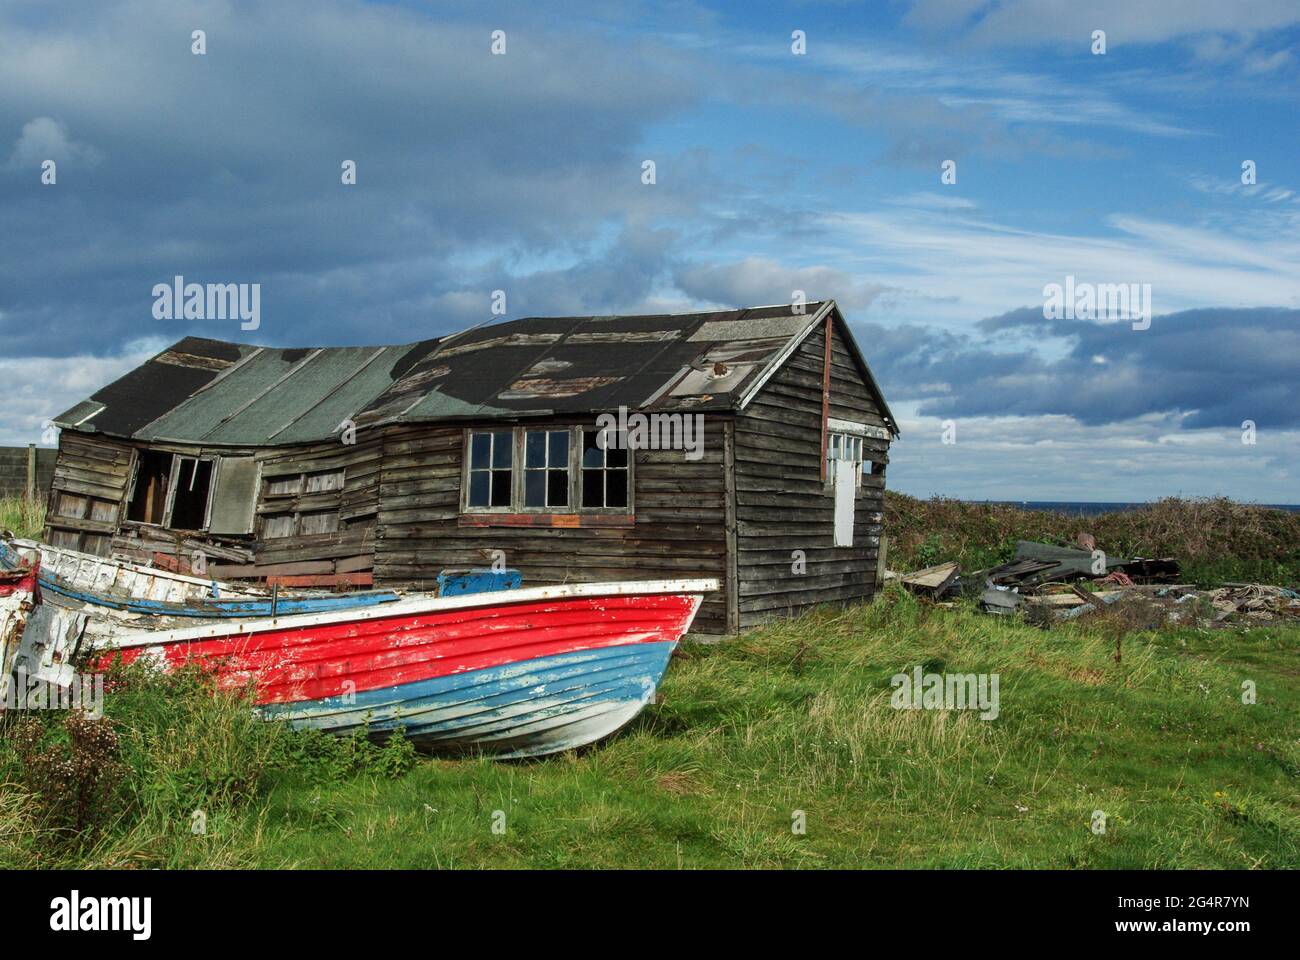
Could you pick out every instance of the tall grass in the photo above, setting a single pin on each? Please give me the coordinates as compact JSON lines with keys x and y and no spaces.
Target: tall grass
{"x":794,"y":718}
{"x":22,"y":517}
{"x":189,"y":766}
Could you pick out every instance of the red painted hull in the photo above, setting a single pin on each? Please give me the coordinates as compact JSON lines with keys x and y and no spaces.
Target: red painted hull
{"x":311,"y":662}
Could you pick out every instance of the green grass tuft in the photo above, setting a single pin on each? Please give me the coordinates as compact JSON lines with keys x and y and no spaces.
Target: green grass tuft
{"x":22,"y":517}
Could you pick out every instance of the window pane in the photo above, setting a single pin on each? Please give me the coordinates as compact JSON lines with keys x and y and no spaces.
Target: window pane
{"x":503,"y":449}
{"x":592,"y":456}
{"x":593,"y":488}
{"x":615,"y":488}
{"x":534,"y":488}
{"x":557,"y":488}
{"x":478,"y":488}
{"x":480,"y":447}
{"x":500,"y":488}
{"x":616,"y":458}
{"x":559,"y":444}
{"x":535,"y":448}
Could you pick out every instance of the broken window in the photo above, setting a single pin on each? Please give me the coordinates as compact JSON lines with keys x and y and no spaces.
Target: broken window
{"x":153,"y":472}
{"x":844,"y":446}
{"x":192,"y":479}
{"x":303,"y":504}
{"x":235,"y":497}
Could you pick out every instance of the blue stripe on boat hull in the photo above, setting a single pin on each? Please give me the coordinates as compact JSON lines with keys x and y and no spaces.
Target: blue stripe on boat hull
{"x":530,"y":708}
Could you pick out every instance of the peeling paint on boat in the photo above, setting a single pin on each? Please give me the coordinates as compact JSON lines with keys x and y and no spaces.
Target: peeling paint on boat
{"x":517,"y":673}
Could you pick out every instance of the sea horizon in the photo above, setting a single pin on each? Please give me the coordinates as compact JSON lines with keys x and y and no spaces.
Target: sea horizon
{"x":1094,"y":507}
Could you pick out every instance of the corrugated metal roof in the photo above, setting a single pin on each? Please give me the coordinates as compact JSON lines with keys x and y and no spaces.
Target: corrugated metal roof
{"x":208,"y":391}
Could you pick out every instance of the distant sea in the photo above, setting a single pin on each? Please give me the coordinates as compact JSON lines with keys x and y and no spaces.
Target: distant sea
{"x":1086,"y":508}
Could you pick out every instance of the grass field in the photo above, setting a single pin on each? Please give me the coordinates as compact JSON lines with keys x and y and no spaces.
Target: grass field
{"x":793,"y":717}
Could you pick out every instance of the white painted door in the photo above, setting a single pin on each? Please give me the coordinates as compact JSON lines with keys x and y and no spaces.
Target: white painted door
{"x":845,"y":482}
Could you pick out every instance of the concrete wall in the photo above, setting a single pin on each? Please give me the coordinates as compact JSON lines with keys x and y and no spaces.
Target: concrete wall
{"x":13,"y":471}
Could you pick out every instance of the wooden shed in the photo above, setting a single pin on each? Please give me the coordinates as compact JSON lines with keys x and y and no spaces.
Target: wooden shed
{"x":748,"y":445}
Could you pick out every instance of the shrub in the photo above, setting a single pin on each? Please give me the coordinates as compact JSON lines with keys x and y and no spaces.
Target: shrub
{"x":70,"y":771}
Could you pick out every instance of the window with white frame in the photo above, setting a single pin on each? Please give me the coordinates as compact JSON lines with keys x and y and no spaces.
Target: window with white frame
{"x":844,"y":446}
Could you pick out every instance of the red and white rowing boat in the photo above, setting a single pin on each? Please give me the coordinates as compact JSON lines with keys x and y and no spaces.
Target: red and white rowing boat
{"x":515,"y":673}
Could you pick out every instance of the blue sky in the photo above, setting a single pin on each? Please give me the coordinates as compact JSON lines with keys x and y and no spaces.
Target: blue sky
{"x":774,"y":172}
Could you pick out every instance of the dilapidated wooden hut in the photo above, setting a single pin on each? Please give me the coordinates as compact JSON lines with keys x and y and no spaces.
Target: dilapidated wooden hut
{"x":748,"y":445}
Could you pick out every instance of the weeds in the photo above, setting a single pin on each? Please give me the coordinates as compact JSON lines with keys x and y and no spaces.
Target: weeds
{"x":175,"y":773}
{"x":69,"y":771}
{"x":22,"y":517}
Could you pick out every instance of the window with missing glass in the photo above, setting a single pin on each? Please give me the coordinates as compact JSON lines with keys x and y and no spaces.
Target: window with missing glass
{"x":302,"y":504}
{"x":491,"y":469}
{"x":604,"y":472}
{"x":844,"y":446}
{"x":545,"y":470}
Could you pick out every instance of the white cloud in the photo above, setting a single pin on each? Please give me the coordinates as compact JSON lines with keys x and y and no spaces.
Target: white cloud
{"x":755,"y":281}
{"x":45,"y":138}
{"x":972,"y":267}
{"x":1152,"y":21}
{"x":40,"y":388}
{"x":1056,"y":458}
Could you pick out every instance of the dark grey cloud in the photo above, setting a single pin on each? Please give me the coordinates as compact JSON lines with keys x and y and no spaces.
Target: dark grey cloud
{"x":226,"y":167}
{"x":475,"y":172}
{"x":1212,"y":367}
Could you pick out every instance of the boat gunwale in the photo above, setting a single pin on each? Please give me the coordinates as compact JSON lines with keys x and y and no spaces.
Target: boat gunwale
{"x":162,"y":573}
{"x":413,"y":606}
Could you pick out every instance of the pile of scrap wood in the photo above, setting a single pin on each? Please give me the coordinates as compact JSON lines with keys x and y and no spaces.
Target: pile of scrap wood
{"x":1049,"y":583}
{"x":1038,"y":566}
{"x":936,"y":583}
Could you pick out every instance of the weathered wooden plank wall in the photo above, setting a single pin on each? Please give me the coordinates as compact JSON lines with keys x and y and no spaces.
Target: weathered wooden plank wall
{"x":349,"y":549}
{"x":88,"y":509}
{"x":782,"y":503}
{"x":90,"y":480}
{"x":679,"y":529}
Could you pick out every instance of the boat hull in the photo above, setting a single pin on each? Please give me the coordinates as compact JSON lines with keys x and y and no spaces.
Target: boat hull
{"x":514,"y":674}
{"x":525,"y":709}
{"x":17,"y":600}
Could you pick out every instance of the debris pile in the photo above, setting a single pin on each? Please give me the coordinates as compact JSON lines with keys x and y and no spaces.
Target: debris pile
{"x":1258,"y":601}
{"x":1049,"y":583}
